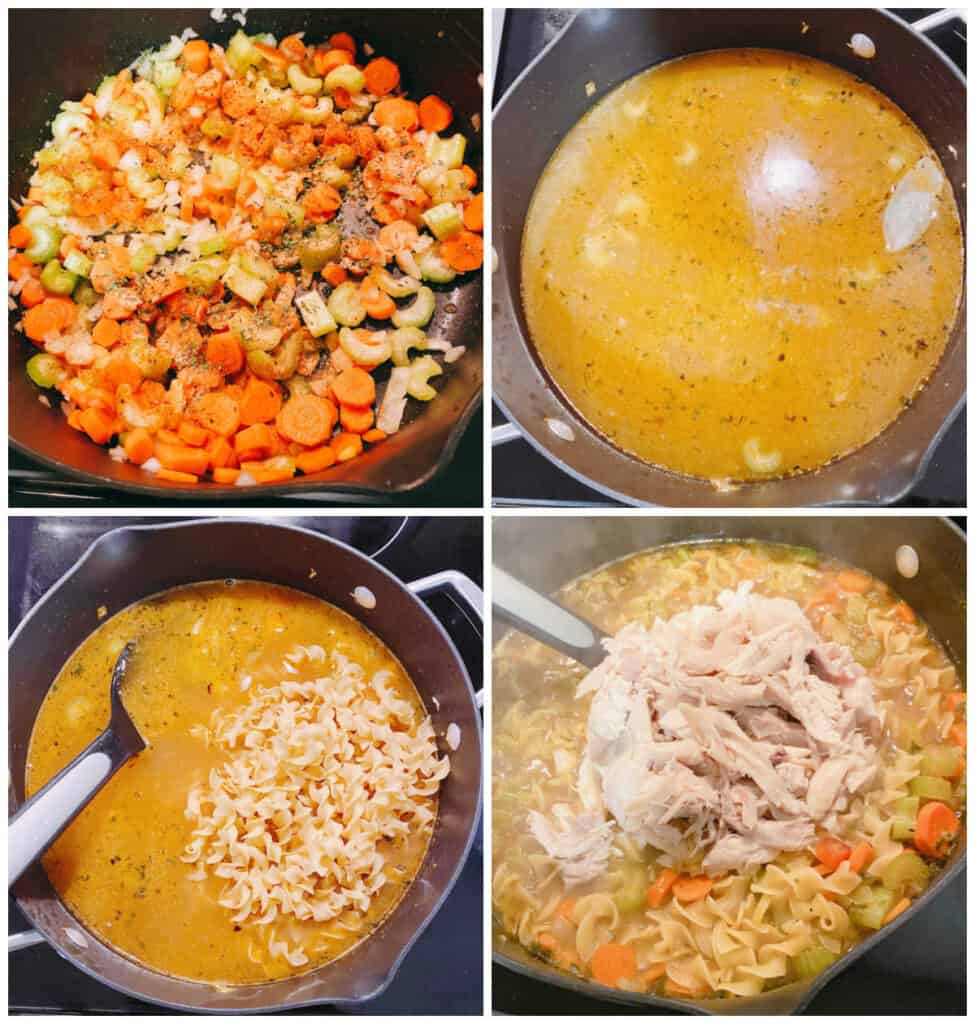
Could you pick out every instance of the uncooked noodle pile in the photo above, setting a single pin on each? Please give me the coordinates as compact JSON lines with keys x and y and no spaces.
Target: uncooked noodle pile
{"x":319,"y":773}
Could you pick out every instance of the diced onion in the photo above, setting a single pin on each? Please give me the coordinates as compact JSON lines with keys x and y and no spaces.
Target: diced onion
{"x":130,"y":160}
{"x":452,"y":736}
{"x":863,"y":46}
{"x":244,"y":480}
{"x":152,"y":465}
{"x":364,"y":597}
{"x":907,"y":561}
{"x":560,"y":428}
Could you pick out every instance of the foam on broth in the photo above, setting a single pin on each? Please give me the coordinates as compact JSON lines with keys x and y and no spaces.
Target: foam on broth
{"x":704,"y":268}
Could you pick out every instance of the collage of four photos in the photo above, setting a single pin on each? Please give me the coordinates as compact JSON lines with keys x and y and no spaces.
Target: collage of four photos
{"x":487,"y":511}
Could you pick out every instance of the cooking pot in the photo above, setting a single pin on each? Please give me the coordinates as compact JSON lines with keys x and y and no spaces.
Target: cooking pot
{"x":547,"y":553}
{"x":606,"y":47}
{"x":132,"y":563}
{"x":61,"y":54}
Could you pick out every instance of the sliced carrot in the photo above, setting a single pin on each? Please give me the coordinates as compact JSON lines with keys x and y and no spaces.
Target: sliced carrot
{"x":255,"y":438}
{"x":176,"y":476}
{"x":19,"y":237}
{"x":307,"y":419}
{"x":293,"y":48}
{"x":952,"y":701}
{"x":261,"y":402}
{"x":356,"y":419}
{"x":897,"y":909}
{"x":183,"y":458}
{"x":224,"y":352}
{"x":470,"y":175}
{"x":672,"y":988}
{"x":402,"y":115}
{"x":474,"y":213}
{"x":334,"y":273}
{"x":224,"y":475}
{"x":18,"y":266}
{"x":854,"y":582}
{"x":904,"y":613}
{"x":660,"y":887}
{"x":354,"y":387}
{"x":548,"y":941}
{"x":831,"y":852}
{"x":321,"y":201}
{"x":32,"y":294}
{"x":168,"y":437}
{"x":328,"y":60}
{"x":374,"y":436}
{"x":398,"y":235}
{"x":120,"y":303}
{"x":265,"y":474}
{"x":217,"y":411}
{"x":106,"y":333}
{"x":221,"y":452}
{"x":861,"y":857}
{"x":375,"y":301}
{"x":382,"y":76}
{"x":97,"y":424}
{"x":120,"y":370}
{"x":342,"y":41}
{"x":958,"y":734}
{"x":935,"y":829}
{"x":105,"y":154}
{"x":316,"y":459}
{"x":654,"y":973}
{"x":463,"y":251}
{"x":49,"y":317}
{"x":435,"y":115}
{"x":346,"y":446}
{"x":139,"y":446}
{"x":272,"y":55}
{"x":612,"y":962}
{"x":691,"y":889}
{"x":192,"y":434}
{"x":134,"y":330}
{"x":196,"y":56}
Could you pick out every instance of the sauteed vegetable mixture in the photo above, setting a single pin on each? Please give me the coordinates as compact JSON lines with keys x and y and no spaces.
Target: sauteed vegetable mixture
{"x":184,"y":275}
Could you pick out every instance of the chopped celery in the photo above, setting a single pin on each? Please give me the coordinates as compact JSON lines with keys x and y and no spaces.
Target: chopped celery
{"x":364,"y":352}
{"x":257,"y":266}
{"x":320,"y":248}
{"x":293,"y":213}
{"x":179,"y":159}
{"x":66,"y":123}
{"x":443,"y":186}
{"x":280,"y":363}
{"x":36,"y":215}
{"x":345,"y":306}
{"x":143,"y":258}
{"x":84,"y":294}
{"x":345,"y":76}
{"x":44,"y":242}
{"x":419,"y":312}
{"x":316,"y":114}
{"x":105,"y":89}
{"x":906,"y":869}
{"x":434,"y":268}
{"x":226,"y":170}
{"x":421,"y":370}
{"x":870,"y":904}
{"x":927,"y":787}
{"x":45,"y":370}
{"x":153,"y":363}
{"x":211,"y":246}
{"x":142,"y":185}
{"x":174,"y":235}
{"x":78,"y":263}
{"x":942,"y":760}
{"x":905,"y":815}
{"x":282,"y":102}
{"x":216,"y":125}
{"x":166,"y":74}
{"x":241,"y":53}
{"x":632,"y":894}
{"x":403,"y":339}
{"x":56,"y":194}
{"x":170,"y":50}
{"x":49,"y":157}
{"x":302,"y":83}
{"x":397,"y":287}
{"x":250,"y":288}
{"x":449,"y":153}
{"x":334,"y":175}
{"x":443,"y":220}
{"x":811,"y":962}
{"x":57,"y":280}
{"x":315,"y":314}
{"x":202,"y":275}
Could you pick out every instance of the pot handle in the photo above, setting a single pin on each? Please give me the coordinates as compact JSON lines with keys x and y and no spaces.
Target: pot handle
{"x":24,"y":940}
{"x":462,"y":590}
{"x":504,"y":433}
{"x":939,"y":18}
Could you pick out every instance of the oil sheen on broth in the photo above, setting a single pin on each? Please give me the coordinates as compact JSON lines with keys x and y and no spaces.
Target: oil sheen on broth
{"x":705,"y":272}
{"x":118,"y":866}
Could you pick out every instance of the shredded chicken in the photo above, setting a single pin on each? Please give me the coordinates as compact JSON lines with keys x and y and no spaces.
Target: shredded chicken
{"x":727,"y":733}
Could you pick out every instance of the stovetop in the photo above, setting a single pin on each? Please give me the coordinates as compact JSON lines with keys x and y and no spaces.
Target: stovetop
{"x":522,"y":476}
{"x":442,"y":974}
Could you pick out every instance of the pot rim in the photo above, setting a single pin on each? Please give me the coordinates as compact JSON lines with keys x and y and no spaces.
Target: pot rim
{"x":902,"y":486}
{"x":393,"y":968}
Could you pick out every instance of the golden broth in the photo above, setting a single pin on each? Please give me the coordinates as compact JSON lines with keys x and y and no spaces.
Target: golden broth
{"x":118,"y":866}
{"x":705,"y":273}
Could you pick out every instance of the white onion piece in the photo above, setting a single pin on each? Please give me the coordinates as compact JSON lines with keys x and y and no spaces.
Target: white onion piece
{"x":560,"y":428}
{"x":452,"y":736}
{"x":364,"y":597}
{"x":913,"y":206}
{"x":907,"y":561}
{"x":863,"y":46}
{"x":152,"y":465}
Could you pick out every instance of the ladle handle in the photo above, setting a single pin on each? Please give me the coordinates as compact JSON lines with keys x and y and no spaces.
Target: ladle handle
{"x":540,"y":617}
{"x":49,"y":812}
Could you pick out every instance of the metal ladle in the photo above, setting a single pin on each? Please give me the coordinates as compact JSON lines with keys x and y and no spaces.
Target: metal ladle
{"x":49,"y":812}
{"x":540,"y":617}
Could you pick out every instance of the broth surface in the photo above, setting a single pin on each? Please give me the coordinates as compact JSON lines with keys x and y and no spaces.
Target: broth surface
{"x":704,"y":269}
{"x":118,"y":867}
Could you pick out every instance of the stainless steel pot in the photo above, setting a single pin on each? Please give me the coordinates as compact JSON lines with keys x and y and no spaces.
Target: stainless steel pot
{"x":609,"y":46}
{"x":546,"y":553}
{"x":132,"y":563}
